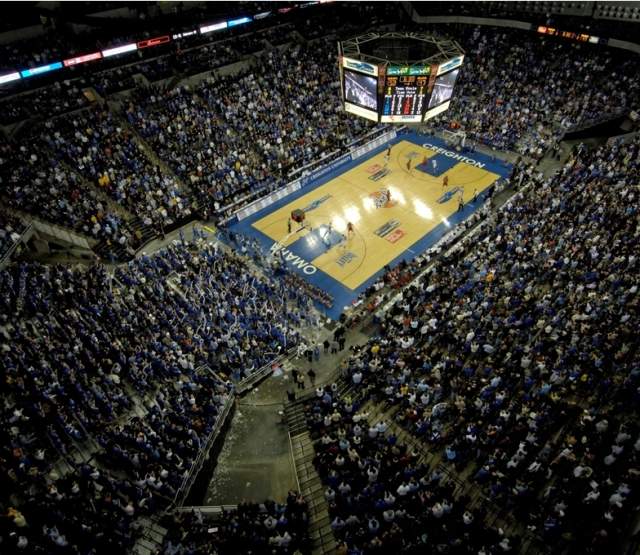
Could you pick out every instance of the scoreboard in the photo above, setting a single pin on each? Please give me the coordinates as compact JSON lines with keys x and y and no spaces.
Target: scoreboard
{"x":391,"y":93}
{"x":405,"y":98}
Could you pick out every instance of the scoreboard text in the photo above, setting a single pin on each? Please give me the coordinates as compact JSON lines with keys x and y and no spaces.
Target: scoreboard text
{"x":404,"y":97}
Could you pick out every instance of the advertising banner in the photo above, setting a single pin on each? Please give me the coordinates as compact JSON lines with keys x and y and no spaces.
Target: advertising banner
{"x":362,"y":67}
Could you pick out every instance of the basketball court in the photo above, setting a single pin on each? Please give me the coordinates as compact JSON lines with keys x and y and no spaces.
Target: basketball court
{"x":397,"y":206}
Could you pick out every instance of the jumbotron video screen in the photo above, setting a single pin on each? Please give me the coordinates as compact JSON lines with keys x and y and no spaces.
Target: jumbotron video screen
{"x":392,"y":93}
{"x":360,"y":89}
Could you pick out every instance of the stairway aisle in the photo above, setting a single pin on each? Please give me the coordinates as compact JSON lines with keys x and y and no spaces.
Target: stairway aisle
{"x":310,"y":485}
{"x":433,"y":458}
{"x":147,"y":232}
{"x":313,"y":491}
{"x":150,"y":542}
{"x":379,"y":411}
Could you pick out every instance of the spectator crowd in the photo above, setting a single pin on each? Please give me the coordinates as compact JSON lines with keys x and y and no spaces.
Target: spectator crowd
{"x":523,"y":91}
{"x":269,"y":527}
{"x":132,"y":367}
{"x":35,"y":182}
{"x":513,"y":357}
{"x":229,"y":138}
{"x":106,"y":153}
{"x":226,"y":140}
{"x":381,"y":497}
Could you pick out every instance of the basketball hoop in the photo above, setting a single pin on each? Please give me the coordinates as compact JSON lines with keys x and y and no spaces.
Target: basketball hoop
{"x":455,"y":139}
{"x":298,"y":215}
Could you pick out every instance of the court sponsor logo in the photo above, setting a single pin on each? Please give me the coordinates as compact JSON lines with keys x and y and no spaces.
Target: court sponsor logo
{"x":315,"y":203}
{"x":345,"y":259}
{"x":387,"y":228}
{"x":382,"y":198}
{"x":454,"y":155}
{"x":293,"y":259}
{"x":379,"y":174}
{"x":395,"y":236}
{"x":448,"y":195}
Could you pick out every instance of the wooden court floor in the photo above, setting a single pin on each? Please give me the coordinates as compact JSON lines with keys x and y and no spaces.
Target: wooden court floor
{"x":389,"y":206}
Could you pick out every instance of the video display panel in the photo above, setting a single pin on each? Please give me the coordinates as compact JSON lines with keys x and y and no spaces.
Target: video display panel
{"x":443,"y":88}
{"x":360,"y":89}
{"x":433,"y":112}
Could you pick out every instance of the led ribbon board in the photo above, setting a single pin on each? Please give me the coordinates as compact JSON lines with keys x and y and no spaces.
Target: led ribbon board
{"x":580,"y":37}
{"x":82,"y":59}
{"x":8,"y":77}
{"x":240,"y":21}
{"x":154,"y":42}
{"x":451,"y":64}
{"x":185,"y":34}
{"x":146,"y":43}
{"x":214,"y":27}
{"x":40,"y":70}
{"x":119,"y":50}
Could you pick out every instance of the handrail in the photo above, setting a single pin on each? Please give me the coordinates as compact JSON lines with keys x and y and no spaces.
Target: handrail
{"x":246,"y":383}
{"x":61,"y":455}
{"x":81,"y":240}
{"x":191,"y":475}
{"x":90,"y":439}
{"x":214,"y":509}
{"x":204,"y":367}
{"x":306,"y":396}
{"x":9,"y":252}
{"x":293,"y":462}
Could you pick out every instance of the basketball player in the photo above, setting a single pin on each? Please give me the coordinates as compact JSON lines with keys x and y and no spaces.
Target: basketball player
{"x":445,"y":181}
{"x":350,"y":230}
{"x":387,"y":156}
{"x":409,"y":165}
{"x":435,"y":165}
{"x":327,"y":236}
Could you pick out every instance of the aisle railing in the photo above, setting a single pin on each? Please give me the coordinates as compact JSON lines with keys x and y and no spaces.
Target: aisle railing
{"x":248,"y":382}
{"x":185,"y":487}
{"x":6,"y":255}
